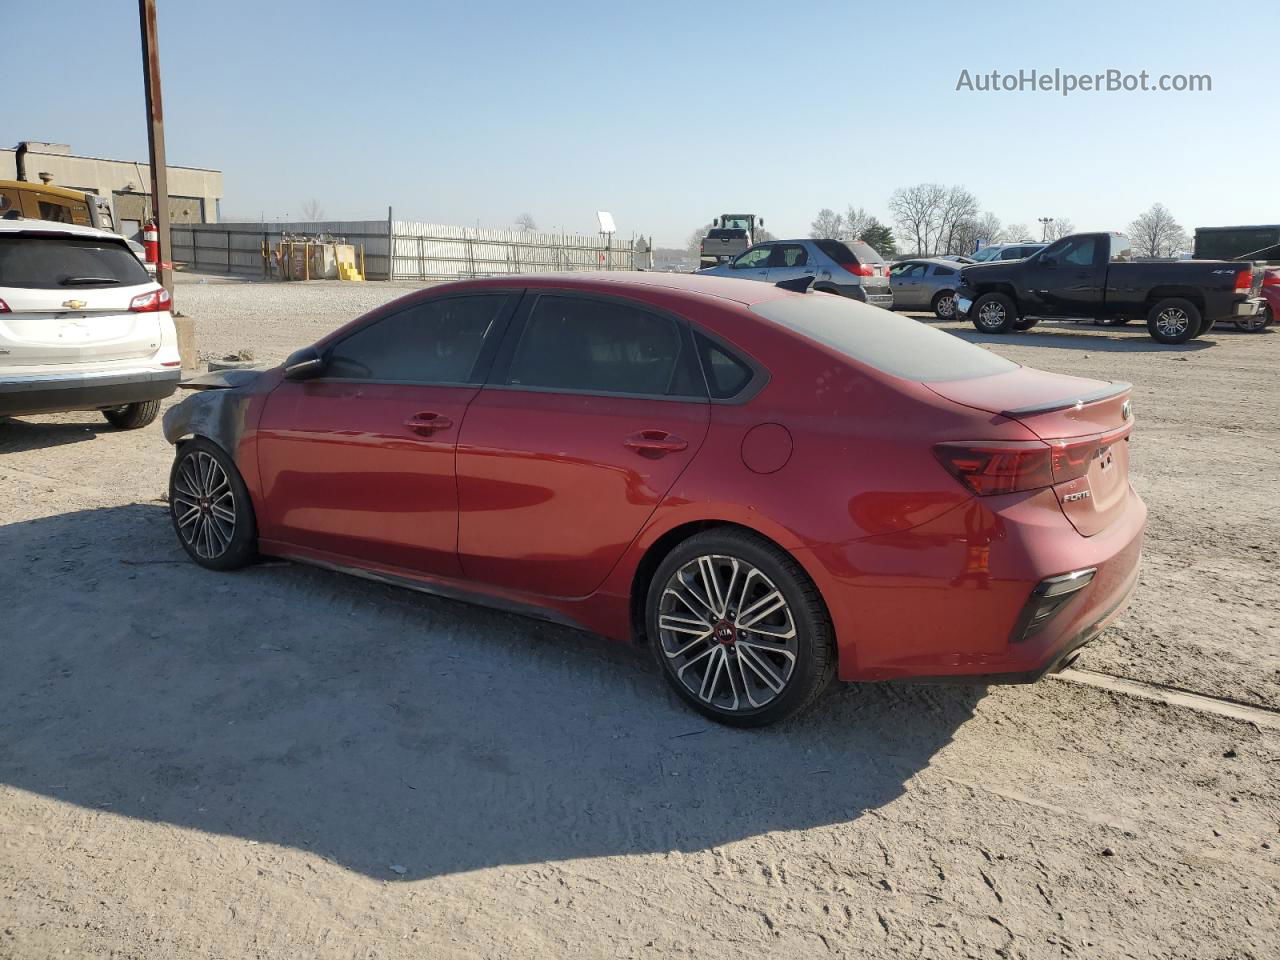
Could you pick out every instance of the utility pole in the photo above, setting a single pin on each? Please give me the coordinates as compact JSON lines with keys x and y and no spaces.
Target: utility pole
{"x":160,"y":174}
{"x":1044,"y":227}
{"x":155,"y":139}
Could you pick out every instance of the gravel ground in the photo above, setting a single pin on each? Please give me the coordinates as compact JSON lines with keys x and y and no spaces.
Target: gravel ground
{"x":285,"y":762}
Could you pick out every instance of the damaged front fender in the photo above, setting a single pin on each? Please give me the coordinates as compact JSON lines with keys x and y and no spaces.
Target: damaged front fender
{"x":222,"y":407}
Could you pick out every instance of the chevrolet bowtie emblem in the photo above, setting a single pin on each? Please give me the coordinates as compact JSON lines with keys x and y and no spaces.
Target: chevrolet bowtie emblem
{"x":74,"y":304}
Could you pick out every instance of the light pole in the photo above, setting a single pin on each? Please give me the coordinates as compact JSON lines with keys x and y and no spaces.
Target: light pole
{"x":1044,"y":228}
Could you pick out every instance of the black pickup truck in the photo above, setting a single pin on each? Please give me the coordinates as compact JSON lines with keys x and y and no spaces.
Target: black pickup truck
{"x":1094,"y":275}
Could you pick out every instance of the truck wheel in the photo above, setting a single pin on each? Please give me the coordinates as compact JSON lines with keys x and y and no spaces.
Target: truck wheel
{"x":993,"y":313}
{"x":944,"y":305}
{"x":1173,"y":320}
{"x":1025,"y":323}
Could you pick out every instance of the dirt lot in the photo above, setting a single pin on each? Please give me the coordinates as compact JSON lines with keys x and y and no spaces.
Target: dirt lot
{"x":284,"y":762}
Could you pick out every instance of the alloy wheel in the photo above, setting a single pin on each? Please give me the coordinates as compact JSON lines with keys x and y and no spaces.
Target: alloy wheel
{"x":1172,"y":322}
{"x":204,"y":505}
{"x":992,"y":314}
{"x":728,"y":633}
{"x":946,"y":306}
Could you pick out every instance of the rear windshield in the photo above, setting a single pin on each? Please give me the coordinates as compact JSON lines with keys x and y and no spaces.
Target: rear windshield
{"x":890,"y":343}
{"x":68,"y":263}
{"x":853,"y":251}
{"x":721,"y":233}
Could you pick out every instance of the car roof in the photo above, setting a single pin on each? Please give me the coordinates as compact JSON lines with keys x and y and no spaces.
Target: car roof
{"x":690,"y":286}
{"x":26,"y":225}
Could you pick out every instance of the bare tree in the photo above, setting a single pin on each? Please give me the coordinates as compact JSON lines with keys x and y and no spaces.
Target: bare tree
{"x":827,"y":225}
{"x":761,"y":235}
{"x":917,"y":212}
{"x":856,"y":221}
{"x":312,"y":211}
{"x":1156,"y":234}
{"x":526,"y":223}
{"x":959,"y":206}
{"x":1017,"y":231}
{"x":1059,"y":228}
{"x":694,"y":244}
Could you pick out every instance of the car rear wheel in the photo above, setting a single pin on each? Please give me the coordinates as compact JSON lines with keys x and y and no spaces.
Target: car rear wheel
{"x":1255,"y":324}
{"x":210,"y":508}
{"x":739,"y":630}
{"x":1173,"y":320}
{"x":132,"y":416}
{"x":993,"y":313}
{"x":944,"y":305}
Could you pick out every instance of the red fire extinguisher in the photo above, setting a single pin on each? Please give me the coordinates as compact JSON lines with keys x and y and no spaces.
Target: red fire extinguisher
{"x":151,"y":241}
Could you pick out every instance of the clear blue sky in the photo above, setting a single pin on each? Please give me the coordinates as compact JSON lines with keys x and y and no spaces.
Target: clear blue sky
{"x":664,"y":113}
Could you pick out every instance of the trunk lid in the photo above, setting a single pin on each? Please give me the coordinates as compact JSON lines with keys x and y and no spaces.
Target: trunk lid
{"x":1085,"y":422}
{"x":75,"y":325}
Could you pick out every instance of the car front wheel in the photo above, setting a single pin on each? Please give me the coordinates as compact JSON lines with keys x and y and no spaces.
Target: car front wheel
{"x":944,"y":305}
{"x":210,"y":508}
{"x":739,"y":630}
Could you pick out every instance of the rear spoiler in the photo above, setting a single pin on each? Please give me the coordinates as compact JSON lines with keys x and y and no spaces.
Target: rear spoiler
{"x":1106,"y":393}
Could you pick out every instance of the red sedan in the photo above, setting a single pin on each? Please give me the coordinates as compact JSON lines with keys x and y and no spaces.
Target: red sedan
{"x":768,"y":488}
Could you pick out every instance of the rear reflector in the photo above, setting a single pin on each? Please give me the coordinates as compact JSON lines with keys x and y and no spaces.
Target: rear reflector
{"x":1244,"y":280}
{"x":151,"y":302}
{"x":1048,"y":598}
{"x":4,"y":307}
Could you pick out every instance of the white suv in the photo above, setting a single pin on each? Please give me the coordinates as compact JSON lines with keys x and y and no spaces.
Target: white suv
{"x":82,"y":325}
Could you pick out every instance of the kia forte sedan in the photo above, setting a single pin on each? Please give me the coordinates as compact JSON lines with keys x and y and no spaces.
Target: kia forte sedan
{"x":769,"y":489}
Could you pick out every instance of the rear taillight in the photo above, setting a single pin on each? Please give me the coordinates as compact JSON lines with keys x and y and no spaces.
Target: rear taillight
{"x":998,"y":466}
{"x":151,"y":302}
{"x":4,"y":307}
{"x":1009,"y":466}
{"x":1244,"y":280}
{"x":860,"y":269}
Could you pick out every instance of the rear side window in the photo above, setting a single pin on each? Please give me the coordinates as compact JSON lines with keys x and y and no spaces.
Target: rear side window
{"x":433,"y":342}
{"x":727,"y":376}
{"x":893,"y":344}
{"x":595,"y":346}
{"x":50,"y":263}
{"x":837,"y":251}
{"x":943,"y":272}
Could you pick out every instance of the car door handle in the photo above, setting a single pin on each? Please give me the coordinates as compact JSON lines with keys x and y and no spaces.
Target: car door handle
{"x":655,"y":443}
{"x":428,"y":423}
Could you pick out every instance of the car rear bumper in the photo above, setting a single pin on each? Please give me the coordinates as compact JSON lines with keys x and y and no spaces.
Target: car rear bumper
{"x":949,"y":598}
{"x":856,"y":291}
{"x":56,"y":393}
{"x":964,"y":303}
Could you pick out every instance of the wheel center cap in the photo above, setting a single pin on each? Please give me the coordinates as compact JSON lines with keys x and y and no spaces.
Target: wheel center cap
{"x":724,"y":632}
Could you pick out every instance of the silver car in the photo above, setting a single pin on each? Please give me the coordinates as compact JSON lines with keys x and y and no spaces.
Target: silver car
{"x":926,"y":284}
{"x":847,"y":267}
{"x":1008,"y":251}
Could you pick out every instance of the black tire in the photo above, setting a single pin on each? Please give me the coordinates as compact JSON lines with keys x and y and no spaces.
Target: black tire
{"x":811,"y":649}
{"x":208,"y":537}
{"x":1111,"y":321}
{"x":132,"y":416}
{"x":993,"y":313}
{"x":1173,"y":320}
{"x":944,"y":305}
{"x":1025,"y":323}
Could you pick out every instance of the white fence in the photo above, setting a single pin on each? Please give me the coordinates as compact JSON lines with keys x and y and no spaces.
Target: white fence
{"x":407,"y":250}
